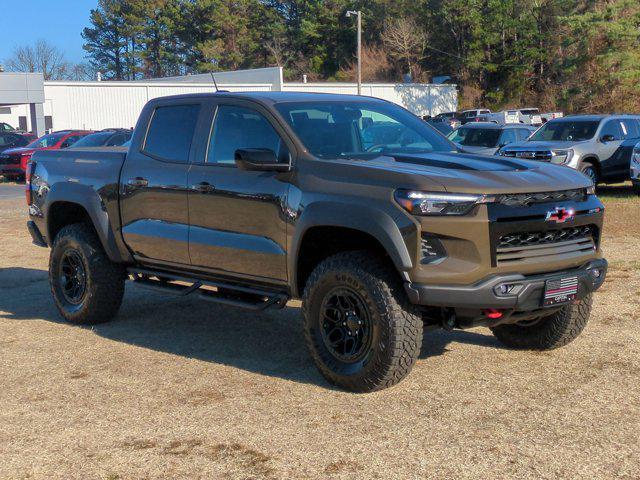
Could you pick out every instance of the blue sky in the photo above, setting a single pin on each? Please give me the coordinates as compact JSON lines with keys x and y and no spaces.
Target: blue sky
{"x":60,"y":22}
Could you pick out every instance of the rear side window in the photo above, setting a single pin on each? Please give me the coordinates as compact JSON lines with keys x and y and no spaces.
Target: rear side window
{"x":171,"y":132}
{"x":630,"y":128}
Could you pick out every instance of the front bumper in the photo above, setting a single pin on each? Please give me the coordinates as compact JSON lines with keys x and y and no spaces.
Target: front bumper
{"x":483,"y":294}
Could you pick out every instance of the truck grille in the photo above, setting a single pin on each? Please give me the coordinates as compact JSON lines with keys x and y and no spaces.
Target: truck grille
{"x":540,"y":155}
{"x":8,"y":159}
{"x":523,"y":199}
{"x":530,"y":246}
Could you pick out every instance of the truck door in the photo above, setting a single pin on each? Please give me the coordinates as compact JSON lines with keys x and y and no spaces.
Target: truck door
{"x":238,"y":219}
{"x":618,"y":165}
{"x":610,"y":139}
{"x":153,"y":185}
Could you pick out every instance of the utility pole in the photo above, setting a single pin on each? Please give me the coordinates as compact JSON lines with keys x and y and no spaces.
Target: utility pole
{"x":358,"y":15}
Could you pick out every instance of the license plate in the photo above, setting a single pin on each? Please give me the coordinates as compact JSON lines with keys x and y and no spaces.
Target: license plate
{"x":559,"y":291}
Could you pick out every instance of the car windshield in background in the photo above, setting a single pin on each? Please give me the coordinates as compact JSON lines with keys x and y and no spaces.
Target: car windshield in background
{"x":475,"y":137}
{"x":47,"y":141}
{"x":360,"y":129}
{"x":566,"y":131}
{"x":530,"y":111}
{"x":94,"y":140}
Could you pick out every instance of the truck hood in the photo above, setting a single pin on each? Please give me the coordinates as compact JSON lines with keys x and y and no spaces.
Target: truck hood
{"x":468,"y":173}
{"x":20,"y":151}
{"x":478,"y":150}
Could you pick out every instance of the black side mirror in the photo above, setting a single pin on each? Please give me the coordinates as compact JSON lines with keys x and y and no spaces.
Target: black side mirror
{"x":259,"y":159}
{"x":607,"y":138}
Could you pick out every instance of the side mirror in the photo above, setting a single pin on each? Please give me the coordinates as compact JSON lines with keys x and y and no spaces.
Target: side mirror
{"x":607,"y":138}
{"x":259,"y":160}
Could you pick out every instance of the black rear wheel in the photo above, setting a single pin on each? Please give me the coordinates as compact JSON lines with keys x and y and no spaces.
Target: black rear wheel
{"x":361,"y":330}
{"x":87,"y":287}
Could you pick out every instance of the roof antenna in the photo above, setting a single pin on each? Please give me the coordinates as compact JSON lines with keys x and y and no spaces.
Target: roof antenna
{"x":214,"y":82}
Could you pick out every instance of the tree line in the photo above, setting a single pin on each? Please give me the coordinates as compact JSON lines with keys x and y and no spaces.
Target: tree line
{"x":576,"y":55}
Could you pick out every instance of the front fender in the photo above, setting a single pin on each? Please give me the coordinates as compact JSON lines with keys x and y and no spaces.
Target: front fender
{"x":394,"y":231}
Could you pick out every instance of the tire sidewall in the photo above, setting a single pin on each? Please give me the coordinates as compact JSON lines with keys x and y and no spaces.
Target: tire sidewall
{"x":74,"y":313}
{"x":341,"y":372}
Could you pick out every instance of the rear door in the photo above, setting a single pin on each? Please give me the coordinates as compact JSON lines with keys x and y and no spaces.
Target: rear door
{"x":154,"y":195}
{"x":239,"y":218}
{"x":618,"y":165}
{"x":609,"y":150}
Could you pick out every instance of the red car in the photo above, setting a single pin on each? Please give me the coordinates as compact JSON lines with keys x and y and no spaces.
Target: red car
{"x":13,"y":162}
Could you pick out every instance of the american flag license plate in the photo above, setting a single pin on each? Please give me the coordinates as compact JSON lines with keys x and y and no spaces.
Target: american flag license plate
{"x":560,"y":290}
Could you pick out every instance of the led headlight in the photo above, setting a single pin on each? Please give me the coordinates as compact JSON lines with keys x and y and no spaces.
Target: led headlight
{"x":425,"y":203}
{"x":635,"y":162}
{"x":561,"y":156}
{"x":591,"y":190}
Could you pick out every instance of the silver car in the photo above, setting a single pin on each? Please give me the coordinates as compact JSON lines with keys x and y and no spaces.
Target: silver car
{"x":600,"y":146}
{"x":486,"y":138}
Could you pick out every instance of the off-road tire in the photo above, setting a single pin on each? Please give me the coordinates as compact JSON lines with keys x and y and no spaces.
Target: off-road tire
{"x":550,"y":332}
{"x":104,"y":287}
{"x":588,"y":169}
{"x":396,"y":326}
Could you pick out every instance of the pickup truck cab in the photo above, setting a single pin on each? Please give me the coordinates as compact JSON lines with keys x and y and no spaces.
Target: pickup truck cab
{"x":353,"y":204}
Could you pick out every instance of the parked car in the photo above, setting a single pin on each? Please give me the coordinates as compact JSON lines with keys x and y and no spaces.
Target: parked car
{"x":14,"y":139}
{"x":545,"y":117}
{"x":249,"y":199}
{"x":450,"y":118}
{"x":530,"y":116}
{"x":488,"y":138}
{"x":600,"y":146}
{"x":13,"y":162}
{"x":5,"y":127}
{"x":477,"y":115}
{"x":635,"y":169}
{"x":105,"y":138}
{"x":504,"y":117}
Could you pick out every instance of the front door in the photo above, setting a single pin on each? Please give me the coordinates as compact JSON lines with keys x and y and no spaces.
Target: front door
{"x":154,"y":195}
{"x":609,"y":148}
{"x":238,"y":218}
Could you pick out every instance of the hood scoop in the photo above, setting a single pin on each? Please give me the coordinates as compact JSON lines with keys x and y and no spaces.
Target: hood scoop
{"x":462,"y":161}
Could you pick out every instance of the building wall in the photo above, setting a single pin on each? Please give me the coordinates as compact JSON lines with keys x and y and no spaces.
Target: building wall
{"x":98,"y":105}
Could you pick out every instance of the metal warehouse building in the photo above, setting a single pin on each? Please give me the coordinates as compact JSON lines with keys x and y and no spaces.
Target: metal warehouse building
{"x":98,"y":105}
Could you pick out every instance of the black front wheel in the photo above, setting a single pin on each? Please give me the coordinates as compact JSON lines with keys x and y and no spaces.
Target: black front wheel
{"x":361,"y":330}
{"x":87,"y":287}
{"x":589,"y":170}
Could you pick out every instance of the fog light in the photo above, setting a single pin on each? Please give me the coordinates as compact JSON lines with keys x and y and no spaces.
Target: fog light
{"x":507,"y":289}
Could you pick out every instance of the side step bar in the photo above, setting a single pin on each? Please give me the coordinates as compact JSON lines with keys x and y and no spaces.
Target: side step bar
{"x":224,"y":293}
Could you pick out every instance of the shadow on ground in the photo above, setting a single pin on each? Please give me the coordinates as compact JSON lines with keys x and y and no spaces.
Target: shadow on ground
{"x":268,"y":343}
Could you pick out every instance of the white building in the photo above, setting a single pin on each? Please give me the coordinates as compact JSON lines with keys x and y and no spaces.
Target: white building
{"x":98,"y":105}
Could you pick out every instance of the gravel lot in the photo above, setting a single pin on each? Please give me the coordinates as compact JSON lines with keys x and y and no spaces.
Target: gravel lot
{"x":176,"y":388}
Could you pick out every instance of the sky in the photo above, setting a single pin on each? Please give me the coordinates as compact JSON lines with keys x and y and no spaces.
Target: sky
{"x":59,"y":22}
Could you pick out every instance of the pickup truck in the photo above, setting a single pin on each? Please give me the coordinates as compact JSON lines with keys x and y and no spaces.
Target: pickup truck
{"x":353,"y":204}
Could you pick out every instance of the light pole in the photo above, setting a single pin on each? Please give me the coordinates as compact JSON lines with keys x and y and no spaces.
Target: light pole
{"x":358,"y":15}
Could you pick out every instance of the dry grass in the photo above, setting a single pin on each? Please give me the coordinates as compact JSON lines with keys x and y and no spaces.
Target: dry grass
{"x":175,"y":388}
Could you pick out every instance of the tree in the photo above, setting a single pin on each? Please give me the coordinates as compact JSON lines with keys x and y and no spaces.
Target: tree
{"x":41,"y":57}
{"x":405,"y":42}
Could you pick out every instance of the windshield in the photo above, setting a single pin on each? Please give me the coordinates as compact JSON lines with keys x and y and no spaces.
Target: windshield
{"x":475,"y":137}
{"x":47,"y":141}
{"x":94,"y":140}
{"x":530,"y":111}
{"x":336,"y":129}
{"x":566,"y":131}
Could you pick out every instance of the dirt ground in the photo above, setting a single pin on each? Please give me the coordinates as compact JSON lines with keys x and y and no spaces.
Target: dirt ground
{"x":176,"y":388}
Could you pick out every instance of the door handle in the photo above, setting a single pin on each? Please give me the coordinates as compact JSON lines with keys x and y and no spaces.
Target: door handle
{"x":203,"y":187}
{"x":138,"y":182}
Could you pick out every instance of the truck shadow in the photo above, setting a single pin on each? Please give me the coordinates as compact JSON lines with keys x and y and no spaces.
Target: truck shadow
{"x":268,"y":343}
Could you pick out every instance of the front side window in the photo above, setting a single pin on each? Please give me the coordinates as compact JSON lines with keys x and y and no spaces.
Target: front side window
{"x":236,"y":128}
{"x":70,"y":141}
{"x":352,"y":129}
{"x":171,"y":132}
{"x":93,"y":140}
{"x":508,"y":136}
{"x":566,"y":131}
{"x":612,"y":128}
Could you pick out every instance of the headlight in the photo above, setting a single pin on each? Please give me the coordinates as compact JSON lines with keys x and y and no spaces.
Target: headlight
{"x":591,"y":190}
{"x":424,"y":203}
{"x":561,"y":156}
{"x":635,"y":156}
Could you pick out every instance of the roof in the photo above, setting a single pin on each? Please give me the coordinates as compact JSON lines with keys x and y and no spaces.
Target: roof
{"x":595,"y":117}
{"x":278,"y":97}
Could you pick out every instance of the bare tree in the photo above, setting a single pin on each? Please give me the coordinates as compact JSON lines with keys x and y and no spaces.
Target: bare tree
{"x":41,"y":57}
{"x":405,"y":42}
